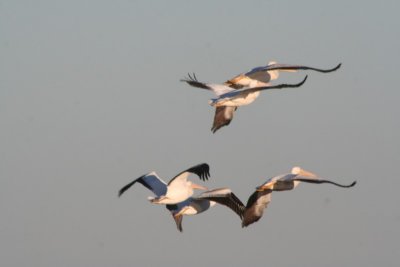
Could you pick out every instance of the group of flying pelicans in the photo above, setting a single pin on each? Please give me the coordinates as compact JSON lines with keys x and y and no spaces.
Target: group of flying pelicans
{"x":241,"y":90}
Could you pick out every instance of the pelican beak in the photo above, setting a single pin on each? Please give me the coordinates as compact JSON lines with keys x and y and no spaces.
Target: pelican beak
{"x":196,"y":186}
{"x":307,"y":174}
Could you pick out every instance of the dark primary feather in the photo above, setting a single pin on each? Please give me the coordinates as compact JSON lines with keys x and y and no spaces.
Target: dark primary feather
{"x":324,"y":181}
{"x":202,"y":170}
{"x":126,"y":187}
{"x":151,"y":181}
{"x":192,"y":80}
{"x":228,"y":199}
{"x":223,"y":116}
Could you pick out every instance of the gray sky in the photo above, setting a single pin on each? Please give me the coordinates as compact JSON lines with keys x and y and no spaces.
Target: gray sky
{"x":90,"y":99}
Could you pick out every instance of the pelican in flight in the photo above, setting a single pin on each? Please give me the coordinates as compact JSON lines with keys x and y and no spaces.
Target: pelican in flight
{"x":192,"y":205}
{"x":229,"y":99}
{"x":177,"y":190}
{"x":259,"y":200}
{"x":256,"y":77}
{"x":206,"y":200}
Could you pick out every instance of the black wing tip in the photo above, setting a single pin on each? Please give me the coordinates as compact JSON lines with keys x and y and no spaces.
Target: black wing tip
{"x":190,"y":78}
{"x":302,"y":82}
{"x":127,"y":186}
{"x":246,"y":224}
{"x":123,"y":189}
{"x":330,"y":70}
{"x":353,"y":184}
{"x":202,"y":170}
{"x":205,"y":173}
{"x":337,"y":67}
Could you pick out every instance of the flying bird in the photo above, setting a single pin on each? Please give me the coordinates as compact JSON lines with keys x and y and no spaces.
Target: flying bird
{"x":206,"y":200}
{"x":229,"y":99}
{"x":192,"y":205}
{"x":177,"y":190}
{"x":256,"y":77}
{"x":259,"y":200}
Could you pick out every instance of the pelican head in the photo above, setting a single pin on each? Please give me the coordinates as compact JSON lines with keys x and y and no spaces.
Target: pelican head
{"x":296,"y":170}
{"x":299,"y":171}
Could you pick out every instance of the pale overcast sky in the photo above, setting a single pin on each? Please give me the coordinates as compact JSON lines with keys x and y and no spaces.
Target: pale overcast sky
{"x":90,"y":99}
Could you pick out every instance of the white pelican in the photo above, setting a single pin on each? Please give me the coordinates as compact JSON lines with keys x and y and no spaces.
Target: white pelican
{"x":259,"y":200}
{"x":206,"y":200}
{"x":229,"y":98}
{"x":177,"y":190}
{"x":256,"y":77}
{"x":192,"y":205}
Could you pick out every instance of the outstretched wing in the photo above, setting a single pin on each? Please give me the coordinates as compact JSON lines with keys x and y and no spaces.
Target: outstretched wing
{"x":151,"y":181}
{"x":289,"y":67}
{"x":223,"y":116}
{"x":224,"y":196}
{"x":218,"y":89}
{"x":278,"y":86}
{"x":256,"y":204}
{"x":321,"y":181}
{"x":202,"y":170}
{"x":269,"y":72}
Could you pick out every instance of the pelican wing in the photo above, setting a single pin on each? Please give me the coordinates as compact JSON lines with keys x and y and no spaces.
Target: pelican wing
{"x":224,"y":196}
{"x":287,"y":67}
{"x":256,"y":204}
{"x":202,"y":170}
{"x":253,"y":72}
{"x":151,"y":181}
{"x":218,"y":89}
{"x":278,"y":86}
{"x":223,"y":116}
{"x":262,"y":73}
{"x":321,"y":181}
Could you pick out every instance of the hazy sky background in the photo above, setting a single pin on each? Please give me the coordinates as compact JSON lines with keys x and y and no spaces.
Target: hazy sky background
{"x":90,"y":99}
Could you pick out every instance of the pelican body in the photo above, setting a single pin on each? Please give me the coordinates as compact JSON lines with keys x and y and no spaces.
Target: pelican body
{"x":177,"y":190}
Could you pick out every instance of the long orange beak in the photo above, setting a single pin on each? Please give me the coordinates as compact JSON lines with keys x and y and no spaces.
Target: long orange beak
{"x":196,"y":186}
{"x":307,"y":174}
{"x":288,"y":70}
